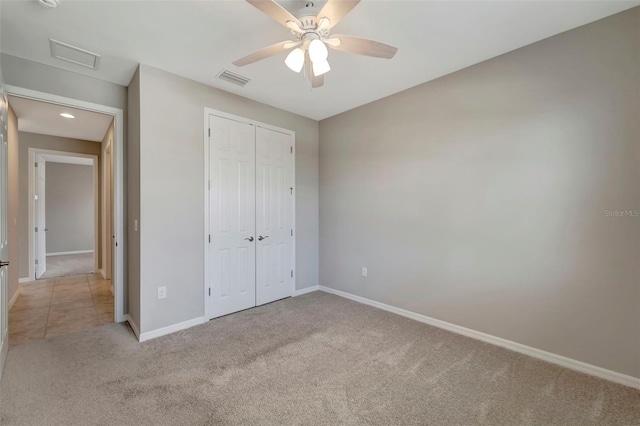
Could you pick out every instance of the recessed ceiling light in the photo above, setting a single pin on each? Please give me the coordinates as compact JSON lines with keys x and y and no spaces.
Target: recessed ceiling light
{"x":49,"y":3}
{"x":67,"y":115}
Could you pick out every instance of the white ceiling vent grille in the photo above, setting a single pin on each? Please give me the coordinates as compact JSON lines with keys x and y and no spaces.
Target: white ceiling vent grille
{"x":234,"y":78}
{"x":75,"y":55}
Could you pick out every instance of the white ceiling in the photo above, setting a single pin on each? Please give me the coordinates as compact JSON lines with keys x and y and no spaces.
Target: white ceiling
{"x":44,"y":118}
{"x":197,"y":39}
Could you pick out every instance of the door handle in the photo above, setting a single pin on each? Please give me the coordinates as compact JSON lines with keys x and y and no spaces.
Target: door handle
{"x":260,"y":238}
{"x":3,"y":263}
{"x":46,"y":229}
{"x":249,"y":239}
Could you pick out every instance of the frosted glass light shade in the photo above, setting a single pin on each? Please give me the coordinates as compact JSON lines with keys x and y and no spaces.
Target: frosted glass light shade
{"x":321,"y":67}
{"x":295,"y":60}
{"x":318,"y":51}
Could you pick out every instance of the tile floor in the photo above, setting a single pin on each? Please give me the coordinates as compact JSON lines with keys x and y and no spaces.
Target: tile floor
{"x":60,"y":306}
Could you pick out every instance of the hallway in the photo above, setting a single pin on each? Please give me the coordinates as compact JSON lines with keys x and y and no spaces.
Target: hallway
{"x":66,"y":265}
{"x":56,"y":307}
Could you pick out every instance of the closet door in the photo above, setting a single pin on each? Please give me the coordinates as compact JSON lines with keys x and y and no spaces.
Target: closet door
{"x":232,"y":216}
{"x":274,"y":215}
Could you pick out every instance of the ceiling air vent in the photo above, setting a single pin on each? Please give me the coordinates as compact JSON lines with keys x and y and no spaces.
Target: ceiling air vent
{"x":75,"y":55}
{"x":234,"y":78}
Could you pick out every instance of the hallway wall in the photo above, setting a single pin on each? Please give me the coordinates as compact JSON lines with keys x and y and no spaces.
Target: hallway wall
{"x":69,"y":208}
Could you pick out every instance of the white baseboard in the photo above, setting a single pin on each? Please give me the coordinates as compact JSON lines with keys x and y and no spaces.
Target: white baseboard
{"x":25,"y":280}
{"x":306,"y":290}
{"x":170,"y":329}
{"x":101,"y":272}
{"x":64,"y":253}
{"x":133,"y":326}
{"x":570,"y":363}
{"x":14,"y":298}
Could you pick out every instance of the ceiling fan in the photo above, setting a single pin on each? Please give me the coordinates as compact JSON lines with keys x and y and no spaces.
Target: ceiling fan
{"x":312,"y":36}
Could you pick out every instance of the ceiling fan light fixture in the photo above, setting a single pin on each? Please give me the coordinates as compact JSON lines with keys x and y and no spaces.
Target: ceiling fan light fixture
{"x":295,"y":60}
{"x":318,"y":51}
{"x":312,"y":32}
{"x":321,"y":67}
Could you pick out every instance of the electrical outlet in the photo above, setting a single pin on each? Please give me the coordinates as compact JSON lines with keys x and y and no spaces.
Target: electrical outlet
{"x":364,"y":271}
{"x":162,"y":292}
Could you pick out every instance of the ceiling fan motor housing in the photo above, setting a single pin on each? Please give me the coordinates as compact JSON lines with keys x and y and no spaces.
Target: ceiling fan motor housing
{"x":309,"y":25}
{"x":308,"y":22}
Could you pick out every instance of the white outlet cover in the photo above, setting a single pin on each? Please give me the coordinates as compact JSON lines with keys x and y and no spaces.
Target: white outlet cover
{"x":162,"y":292}
{"x":364,"y":271}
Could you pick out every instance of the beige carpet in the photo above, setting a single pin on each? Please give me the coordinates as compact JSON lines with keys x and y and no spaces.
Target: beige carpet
{"x":317,"y":360}
{"x":68,"y":264}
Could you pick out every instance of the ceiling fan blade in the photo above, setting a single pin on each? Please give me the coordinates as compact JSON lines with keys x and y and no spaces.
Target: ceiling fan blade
{"x":275,"y":11}
{"x":317,"y":81}
{"x":261,"y":54}
{"x":362,"y":46}
{"x":308,"y":66}
{"x":335,"y":10}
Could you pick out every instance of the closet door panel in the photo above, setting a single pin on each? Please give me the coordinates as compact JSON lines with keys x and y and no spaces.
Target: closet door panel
{"x":274,"y":204}
{"x":231,"y":216}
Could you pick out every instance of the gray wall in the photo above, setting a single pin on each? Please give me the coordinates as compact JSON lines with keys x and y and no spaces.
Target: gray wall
{"x":172,"y":188}
{"x":69,"y":207}
{"x":44,"y":78}
{"x":32,"y":140}
{"x":479,"y":198}
{"x":133,"y":201}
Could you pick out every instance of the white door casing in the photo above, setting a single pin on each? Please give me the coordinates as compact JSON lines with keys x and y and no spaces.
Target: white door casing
{"x":40,"y":216}
{"x":274,"y":207}
{"x":107,"y":208}
{"x":4,"y":248}
{"x":232,"y":215}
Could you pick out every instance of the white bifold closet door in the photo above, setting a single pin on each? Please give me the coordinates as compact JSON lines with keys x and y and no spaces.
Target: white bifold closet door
{"x":274,"y":202}
{"x":232,"y":216}
{"x":250,"y":216}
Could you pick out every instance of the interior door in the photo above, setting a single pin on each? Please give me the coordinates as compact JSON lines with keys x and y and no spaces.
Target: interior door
{"x":231,"y":216}
{"x":40,"y":217}
{"x":4,"y":249}
{"x":274,"y":206}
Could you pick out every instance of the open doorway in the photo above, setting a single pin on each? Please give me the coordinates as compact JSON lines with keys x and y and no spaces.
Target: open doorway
{"x":67,"y":220}
{"x":64,"y":213}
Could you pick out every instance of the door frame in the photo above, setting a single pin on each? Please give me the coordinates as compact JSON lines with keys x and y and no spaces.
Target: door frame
{"x":118,"y":178}
{"x":207,"y":168}
{"x":106,"y":210}
{"x":33,"y":153}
